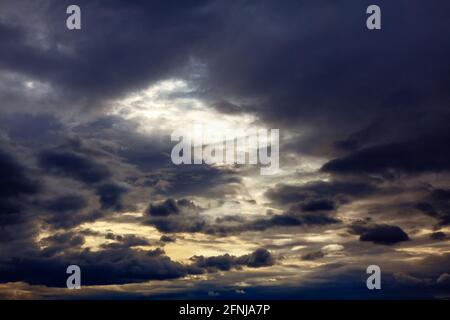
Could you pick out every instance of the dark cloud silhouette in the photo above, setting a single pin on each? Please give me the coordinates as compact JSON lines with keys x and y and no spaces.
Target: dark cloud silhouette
{"x":110,"y":266}
{"x":437,"y":205}
{"x":17,"y":189}
{"x":65,"y":203}
{"x":111,"y":196}
{"x":175,"y":216}
{"x":184,"y":215}
{"x":73,"y":165}
{"x":118,"y":265}
{"x":313,"y":255}
{"x":318,"y":205}
{"x":318,"y":193}
{"x":319,"y":219}
{"x":166,"y":238}
{"x":15,"y":181}
{"x":61,"y":242}
{"x":68,"y":211}
{"x":71,"y":219}
{"x":289,"y":219}
{"x":185,"y":181}
{"x":91,"y":76}
{"x":125,"y":241}
{"x":166,"y":208}
{"x":27,"y":128}
{"x":259,"y":258}
{"x":380,"y":233}
{"x":156,"y":252}
{"x":425,"y":154}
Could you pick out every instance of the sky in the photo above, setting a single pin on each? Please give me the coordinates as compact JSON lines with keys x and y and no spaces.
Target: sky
{"x":86,"y":176}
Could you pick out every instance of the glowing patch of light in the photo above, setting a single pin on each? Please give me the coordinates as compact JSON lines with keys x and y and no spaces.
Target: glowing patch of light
{"x":172,"y":104}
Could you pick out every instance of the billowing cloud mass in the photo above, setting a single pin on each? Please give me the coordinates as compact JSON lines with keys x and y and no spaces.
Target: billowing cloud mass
{"x":86,"y":176}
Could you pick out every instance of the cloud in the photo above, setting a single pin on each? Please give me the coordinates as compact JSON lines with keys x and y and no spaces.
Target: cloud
{"x":424,"y":154}
{"x":15,"y":181}
{"x":330,"y":248}
{"x":438,"y":236}
{"x":318,"y":205}
{"x":166,"y":238}
{"x":61,"y":242}
{"x":259,"y":258}
{"x":313,"y":256}
{"x":166,"y":208}
{"x":73,"y":165}
{"x":444,"y":279}
{"x":65,"y":204}
{"x":111,"y":196}
{"x":43,"y":127}
{"x":71,"y":152}
{"x":117,"y":265}
{"x":316,"y":194}
{"x":125,"y":241}
{"x":17,"y":193}
{"x":175,"y":216}
{"x":380,"y":233}
{"x":437,"y":205}
{"x":184,"y":215}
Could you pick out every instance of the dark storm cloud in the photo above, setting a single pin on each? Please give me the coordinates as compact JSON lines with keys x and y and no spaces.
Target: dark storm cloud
{"x":279,"y":220}
{"x":28,"y":128}
{"x":280,"y":59}
{"x":156,"y":252}
{"x":125,"y":241}
{"x":175,"y":216}
{"x":318,"y":205}
{"x":185,"y":181}
{"x":319,"y":219}
{"x":289,"y":219}
{"x":184,"y":215}
{"x":135,"y":34}
{"x":437,"y":205}
{"x":111,"y":196}
{"x":375,"y":102}
{"x":116,"y":265}
{"x":65,"y":203}
{"x":166,"y":208}
{"x":61,"y":242}
{"x":425,"y":154}
{"x":379,"y":233}
{"x":172,"y":207}
{"x":14,"y":180}
{"x":315,"y":191}
{"x":197,"y":224}
{"x":314,"y":203}
{"x":148,"y":154}
{"x":71,"y":219}
{"x":259,"y":258}
{"x":111,"y":266}
{"x":339,"y":78}
{"x":66,"y":239}
{"x":16,"y":188}
{"x":73,"y":165}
